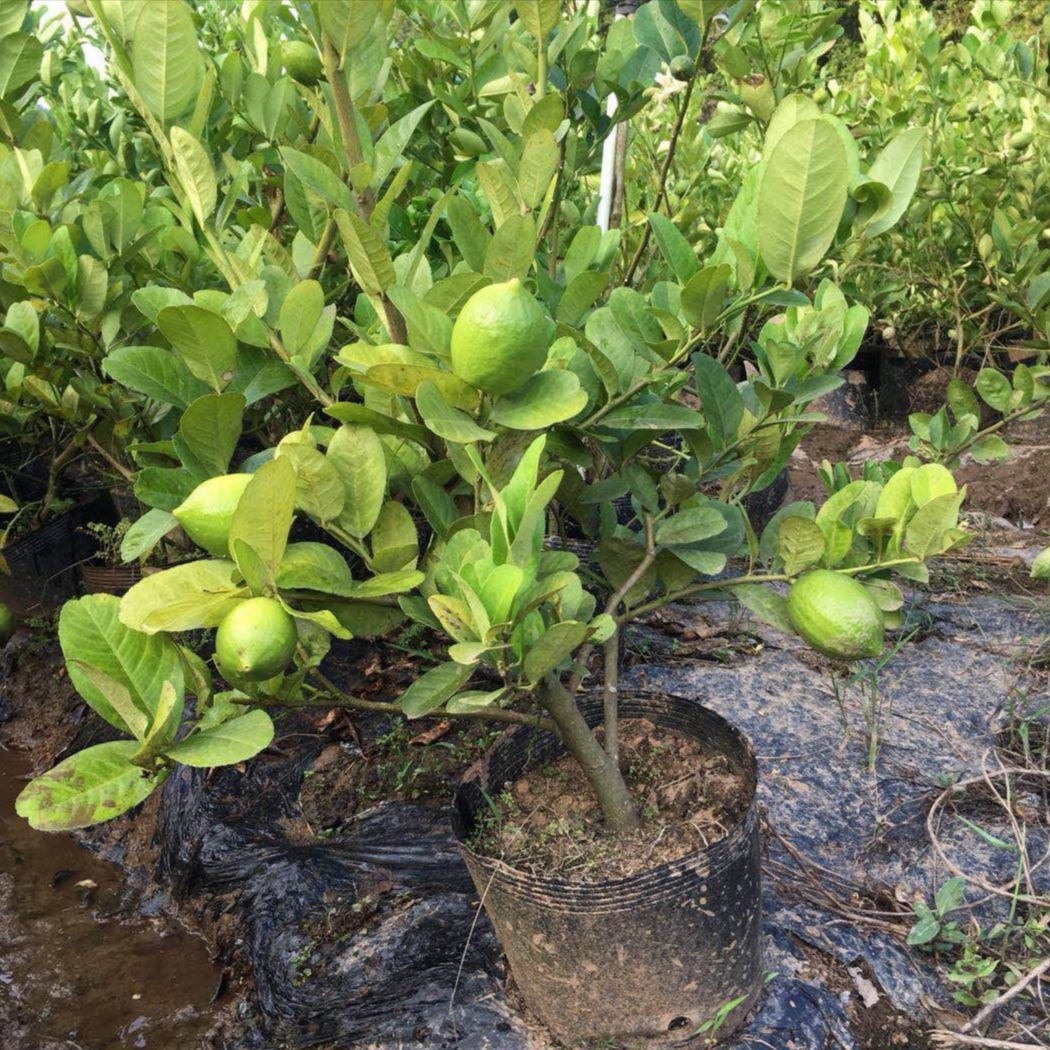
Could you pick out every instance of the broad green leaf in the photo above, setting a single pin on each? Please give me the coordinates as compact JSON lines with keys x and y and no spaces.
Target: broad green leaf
{"x":429,"y":330}
{"x":155,"y":372}
{"x":720,"y":400}
{"x":500,"y":189}
{"x":405,"y":380}
{"x":580,"y":295}
{"x":792,"y":110}
{"x":149,"y":301}
{"x":895,"y":500}
{"x":703,"y":295}
{"x":539,"y":162}
{"x":392,"y":144}
{"x":925,"y":930}
{"x":538,"y":17}
{"x":764,"y":603}
{"x":319,"y":488}
{"x":473,"y":700}
{"x":898,"y":166}
{"x":471,"y":237}
{"x":208,"y":433}
{"x":20,"y":56}
{"x":428,"y":692}
{"x":318,"y":179}
{"x":369,"y":256}
{"x":927,"y":532}
{"x":545,"y":399}
{"x":164,"y":488}
{"x":800,"y":199}
{"x":994,"y":389}
{"x":204,"y":341}
{"x":166,"y":58}
{"x":90,"y":631}
{"x":950,"y":895}
{"x":690,"y":526}
{"x":145,"y":534}
{"x":675,"y":248}
{"x":183,"y":598}
{"x":556,"y":644}
{"x":511,"y":252}
{"x":358,"y":457}
{"x":235,"y":740}
{"x":386,"y":583}
{"x":193,"y":166}
{"x":800,"y":544}
{"x":264,"y":514}
{"x":95,"y":784}
{"x":929,"y":481}
{"x":134,"y":720}
{"x":455,"y":617}
{"x":654,"y":416}
{"x":12,"y":14}
{"x":438,"y":506}
{"x":312,"y":566}
{"x":301,"y":314}
{"x":352,"y":412}
{"x":348,"y":24}
{"x":395,"y":543}
{"x":444,"y":420}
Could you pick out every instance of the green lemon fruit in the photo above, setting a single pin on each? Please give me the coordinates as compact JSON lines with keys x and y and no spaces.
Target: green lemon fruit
{"x":255,"y":641}
{"x":835,"y":615}
{"x":207,"y":512}
{"x":500,"y":338}
{"x":7,"y":624}
{"x":301,"y":62}
{"x":683,"y":67}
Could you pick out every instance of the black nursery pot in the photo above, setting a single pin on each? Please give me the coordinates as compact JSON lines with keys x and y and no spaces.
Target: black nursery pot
{"x":643,"y":960}
{"x":43,"y":563}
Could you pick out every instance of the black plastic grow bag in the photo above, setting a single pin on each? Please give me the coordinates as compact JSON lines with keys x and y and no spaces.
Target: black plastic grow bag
{"x":649,"y":957}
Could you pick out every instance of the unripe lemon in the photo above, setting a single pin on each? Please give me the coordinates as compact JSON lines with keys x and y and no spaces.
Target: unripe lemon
{"x":835,"y":615}
{"x":207,"y":512}
{"x":500,"y":338}
{"x":7,"y":624}
{"x":683,"y":67}
{"x":301,"y":61}
{"x":255,"y":641}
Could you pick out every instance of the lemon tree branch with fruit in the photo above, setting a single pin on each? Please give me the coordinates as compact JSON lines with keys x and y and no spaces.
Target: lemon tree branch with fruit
{"x":511,"y":445}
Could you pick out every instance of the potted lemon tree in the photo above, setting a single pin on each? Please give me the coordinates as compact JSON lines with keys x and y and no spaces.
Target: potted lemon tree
{"x":500,"y":380}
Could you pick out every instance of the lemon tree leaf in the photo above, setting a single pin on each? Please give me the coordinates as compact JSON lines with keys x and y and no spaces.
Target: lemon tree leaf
{"x":538,"y":17}
{"x":392,"y":143}
{"x":511,"y":251}
{"x":766,"y":604}
{"x":545,"y":399}
{"x":92,"y":634}
{"x":20,"y":56}
{"x":264,"y":514}
{"x":235,"y":740}
{"x":166,"y":58}
{"x":800,"y":198}
{"x":93,"y":785}
{"x":195,"y":172}
{"x":539,"y":162}
{"x":204,"y":341}
{"x":428,"y":692}
{"x":444,"y":420}
{"x":703,"y":295}
{"x":556,"y":644}
{"x":208,"y":433}
{"x":800,"y":543}
{"x":358,"y":457}
{"x":369,"y":256}
{"x":897,"y":167}
{"x":184,"y":597}
{"x":155,"y":372}
{"x":348,"y":24}
{"x":319,"y":488}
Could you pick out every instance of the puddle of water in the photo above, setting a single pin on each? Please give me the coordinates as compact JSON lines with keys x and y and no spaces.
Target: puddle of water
{"x":69,"y":976}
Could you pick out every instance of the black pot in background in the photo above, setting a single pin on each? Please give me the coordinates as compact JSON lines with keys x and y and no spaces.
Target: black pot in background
{"x":43,"y":563}
{"x":646,"y":958}
{"x":762,"y":504}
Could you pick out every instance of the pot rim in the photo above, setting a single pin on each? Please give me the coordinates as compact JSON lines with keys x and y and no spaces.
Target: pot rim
{"x":641,"y":883}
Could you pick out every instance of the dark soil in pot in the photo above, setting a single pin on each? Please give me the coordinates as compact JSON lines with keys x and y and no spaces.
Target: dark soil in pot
{"x":643,"y":958}
{"x":548,"y":822}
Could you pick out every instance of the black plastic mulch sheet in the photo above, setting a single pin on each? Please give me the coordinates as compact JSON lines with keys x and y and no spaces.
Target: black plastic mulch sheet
{"x":372,"y":939}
